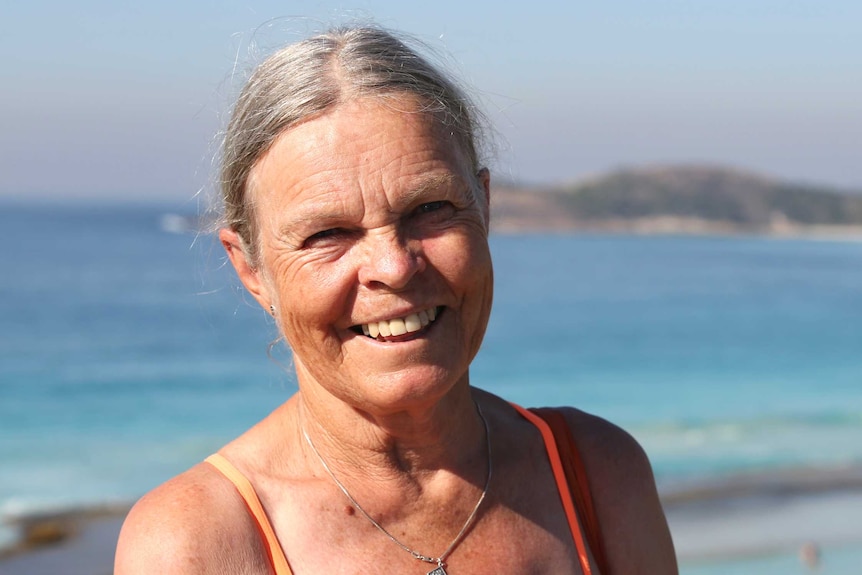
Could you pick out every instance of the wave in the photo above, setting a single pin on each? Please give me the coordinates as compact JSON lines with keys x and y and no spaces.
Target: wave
{"x":688,"y":448}
{"x":178,"y":223}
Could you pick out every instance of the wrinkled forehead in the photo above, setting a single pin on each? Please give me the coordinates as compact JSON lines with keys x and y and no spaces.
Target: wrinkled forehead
{"x":391,"y":137}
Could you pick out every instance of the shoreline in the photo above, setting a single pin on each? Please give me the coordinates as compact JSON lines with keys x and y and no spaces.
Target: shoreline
{"x":676,"y":227}
{"x":734,"y":518}
{"x":786,"y":481}
{"x":765,"y":513}
{"x":75,"y":541}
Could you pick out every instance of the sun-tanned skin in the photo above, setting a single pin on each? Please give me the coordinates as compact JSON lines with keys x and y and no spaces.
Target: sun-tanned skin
{"x":370,"y":213}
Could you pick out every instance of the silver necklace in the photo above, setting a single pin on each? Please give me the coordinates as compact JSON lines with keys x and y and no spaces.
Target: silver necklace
{"x":440,"y":561}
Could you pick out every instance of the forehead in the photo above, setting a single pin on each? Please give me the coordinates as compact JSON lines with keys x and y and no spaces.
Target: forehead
{"x":359,"y":145}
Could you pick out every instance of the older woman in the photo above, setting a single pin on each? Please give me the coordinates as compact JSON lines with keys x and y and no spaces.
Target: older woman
{"x":357,"y":215}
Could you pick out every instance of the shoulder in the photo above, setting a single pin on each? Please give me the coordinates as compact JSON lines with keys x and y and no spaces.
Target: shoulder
{"x":633,"y":525}
{"x":608,"y":448}
{"x":195,"y":523}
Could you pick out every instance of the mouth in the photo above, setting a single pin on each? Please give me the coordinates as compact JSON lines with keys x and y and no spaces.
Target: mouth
{"x":397,"y":328}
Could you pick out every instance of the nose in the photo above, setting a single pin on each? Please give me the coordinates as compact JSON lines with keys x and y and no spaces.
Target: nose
{"x":390,"y":261}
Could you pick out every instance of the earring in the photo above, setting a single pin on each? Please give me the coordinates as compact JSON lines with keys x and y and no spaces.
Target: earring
{"x":272,"y":310}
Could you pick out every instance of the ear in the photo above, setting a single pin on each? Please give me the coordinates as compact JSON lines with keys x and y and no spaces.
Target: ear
{"x":248,"y":274}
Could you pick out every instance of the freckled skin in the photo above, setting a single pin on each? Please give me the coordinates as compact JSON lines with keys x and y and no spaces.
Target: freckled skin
{"x":366,"y":213}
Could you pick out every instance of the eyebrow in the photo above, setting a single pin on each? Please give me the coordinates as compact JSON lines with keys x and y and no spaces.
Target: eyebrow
{"x":290,"y":226}
{"x":427,"y":184}
{"x":410,"y":197}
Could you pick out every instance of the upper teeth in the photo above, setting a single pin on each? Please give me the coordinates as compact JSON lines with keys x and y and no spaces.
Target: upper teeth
{"x":401,"y":325}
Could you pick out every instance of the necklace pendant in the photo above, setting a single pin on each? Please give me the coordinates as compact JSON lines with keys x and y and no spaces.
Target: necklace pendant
{"x":438,"y":571}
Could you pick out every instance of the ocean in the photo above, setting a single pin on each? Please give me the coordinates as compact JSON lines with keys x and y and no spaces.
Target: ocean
{"x":128,"y":351}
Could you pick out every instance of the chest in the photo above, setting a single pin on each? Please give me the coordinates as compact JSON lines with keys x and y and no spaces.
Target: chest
{"x":521,"y":535}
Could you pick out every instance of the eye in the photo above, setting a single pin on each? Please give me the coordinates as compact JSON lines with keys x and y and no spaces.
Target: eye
{"x":433,"y":213}
{"x":431,"y":207}
{"x":323,"y":235}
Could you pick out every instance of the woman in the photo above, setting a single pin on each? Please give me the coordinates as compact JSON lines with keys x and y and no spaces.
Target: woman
{"x":357,"y":215}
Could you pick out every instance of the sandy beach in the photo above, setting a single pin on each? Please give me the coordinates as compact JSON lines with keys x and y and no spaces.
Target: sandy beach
{"x":743,"y":517}
{"x":74,"y":542}
{"x":766,"y":514}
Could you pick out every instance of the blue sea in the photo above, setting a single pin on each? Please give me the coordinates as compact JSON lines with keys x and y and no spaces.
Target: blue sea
{"x":128,"y":351}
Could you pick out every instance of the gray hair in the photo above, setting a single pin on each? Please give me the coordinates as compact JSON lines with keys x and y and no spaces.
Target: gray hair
{"x":305,"y":79}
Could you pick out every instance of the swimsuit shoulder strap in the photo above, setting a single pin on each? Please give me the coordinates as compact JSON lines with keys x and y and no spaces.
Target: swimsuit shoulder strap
{"x":576,"y":476}
{"x":247,"y":492}
{"x":562,"y":485}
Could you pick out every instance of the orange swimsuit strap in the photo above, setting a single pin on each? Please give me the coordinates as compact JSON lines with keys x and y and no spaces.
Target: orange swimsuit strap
{"x":562,"y":485}
{"x":273,"y":547}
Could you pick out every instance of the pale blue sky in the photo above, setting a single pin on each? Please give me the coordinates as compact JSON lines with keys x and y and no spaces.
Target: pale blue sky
{"x":123,"y":100}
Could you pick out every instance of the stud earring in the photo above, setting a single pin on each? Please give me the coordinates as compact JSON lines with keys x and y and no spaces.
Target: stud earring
{"x":272,"y":310}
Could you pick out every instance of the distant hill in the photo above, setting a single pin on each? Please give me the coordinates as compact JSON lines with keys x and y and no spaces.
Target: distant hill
{"x":698,"y":200}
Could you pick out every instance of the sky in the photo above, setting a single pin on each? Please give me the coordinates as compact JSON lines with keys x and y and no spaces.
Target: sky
{"x":123,"y":101}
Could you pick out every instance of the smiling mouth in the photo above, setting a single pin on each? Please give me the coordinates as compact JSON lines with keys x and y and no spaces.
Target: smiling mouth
{"x":400,"y":326}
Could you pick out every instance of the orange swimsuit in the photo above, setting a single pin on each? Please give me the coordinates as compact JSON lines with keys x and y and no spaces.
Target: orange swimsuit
{"x":562,"y":475}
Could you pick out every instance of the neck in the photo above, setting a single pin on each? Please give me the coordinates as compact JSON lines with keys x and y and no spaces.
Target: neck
{"x":446,"y":434}
{"x":440,"y":559}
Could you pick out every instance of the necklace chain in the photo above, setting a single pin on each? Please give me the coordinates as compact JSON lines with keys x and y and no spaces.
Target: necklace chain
{"x":440,"y":560}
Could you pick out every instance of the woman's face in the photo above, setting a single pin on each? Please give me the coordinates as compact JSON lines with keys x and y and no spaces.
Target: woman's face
{"x":373,"y":250}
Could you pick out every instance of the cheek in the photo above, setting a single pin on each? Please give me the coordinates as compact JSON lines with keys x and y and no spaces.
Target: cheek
{"x":465,"y":262}
{"x":476,"y":279}
{"x":313,"y":297}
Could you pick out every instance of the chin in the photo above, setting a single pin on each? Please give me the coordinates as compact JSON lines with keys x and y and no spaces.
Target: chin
{"x":410,"y":389}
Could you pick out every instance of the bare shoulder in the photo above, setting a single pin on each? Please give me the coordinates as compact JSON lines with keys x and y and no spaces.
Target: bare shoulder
{"x":633,"y":525}
{"x":196,"y":523}
{"x":605,"y":446}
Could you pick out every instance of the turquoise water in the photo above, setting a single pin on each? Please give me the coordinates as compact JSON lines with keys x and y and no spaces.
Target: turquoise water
{"x":720,"y":355}
{"x":128,"y":353}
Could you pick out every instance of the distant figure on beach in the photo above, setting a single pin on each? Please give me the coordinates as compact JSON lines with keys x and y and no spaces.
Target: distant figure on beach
{"x":809,"y":555}
{"x":356,"y":213}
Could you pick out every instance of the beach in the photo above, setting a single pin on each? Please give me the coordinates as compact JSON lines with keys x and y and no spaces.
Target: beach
{"x":74,"y":542}
{"x":737,"y":523}
{"x":761,"y":515}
